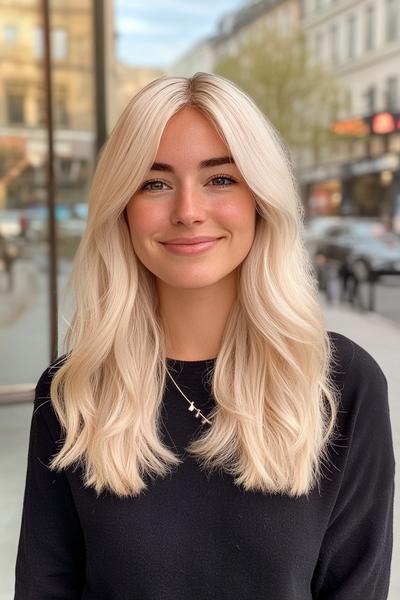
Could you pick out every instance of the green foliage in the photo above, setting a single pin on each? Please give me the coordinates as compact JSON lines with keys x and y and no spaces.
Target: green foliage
{"x":298,"y":95}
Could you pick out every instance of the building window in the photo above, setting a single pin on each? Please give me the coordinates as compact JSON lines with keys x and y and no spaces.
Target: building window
{"x":10,"y":34}
{"x":391,"y":99}
{"x":59,"y":43}
{"x":319,"y":4}
{"x":334,"y":44}
{"x":392,"y":20}
{"x":370,"y":99}
{"x":318,"y":46}
{"x":15,"y":95}
{"x":348,"y":102}
{"x":61,"y":115}
{"x":41,"y":117}
{"x":369,"y":28}
{"x":351,"y":36}
{"x":38,"y":42}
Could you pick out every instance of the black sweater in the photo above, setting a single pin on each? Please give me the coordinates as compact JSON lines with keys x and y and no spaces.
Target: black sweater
{"x":193,"y":536}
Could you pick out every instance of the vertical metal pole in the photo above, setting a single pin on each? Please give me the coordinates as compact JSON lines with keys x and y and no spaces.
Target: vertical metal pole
{"x":100,"y":74}
{"x":50,"y":185}
{"x":371,"y":295}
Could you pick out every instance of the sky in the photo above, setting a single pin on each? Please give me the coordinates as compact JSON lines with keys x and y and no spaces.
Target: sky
{"x":154,"y":33}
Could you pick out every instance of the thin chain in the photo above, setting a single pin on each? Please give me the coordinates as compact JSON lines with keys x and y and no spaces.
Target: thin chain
{"x":192,"y":407}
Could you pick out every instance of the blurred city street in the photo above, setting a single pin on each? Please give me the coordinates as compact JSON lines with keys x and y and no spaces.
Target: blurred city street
{"x":326,"y":77}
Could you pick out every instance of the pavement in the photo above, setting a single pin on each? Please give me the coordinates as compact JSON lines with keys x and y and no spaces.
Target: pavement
{"x":378,"y":335}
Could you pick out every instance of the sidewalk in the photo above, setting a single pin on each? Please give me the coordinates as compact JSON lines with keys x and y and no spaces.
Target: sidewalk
{"x":379,"y":336}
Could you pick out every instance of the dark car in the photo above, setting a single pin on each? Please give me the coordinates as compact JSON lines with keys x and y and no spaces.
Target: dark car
{"x":315,"y":229}
{"x":363,"y":247}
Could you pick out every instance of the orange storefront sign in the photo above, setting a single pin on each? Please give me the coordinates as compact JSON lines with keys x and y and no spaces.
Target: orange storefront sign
{"x":354,"y":127}
{"x":378,"y":124}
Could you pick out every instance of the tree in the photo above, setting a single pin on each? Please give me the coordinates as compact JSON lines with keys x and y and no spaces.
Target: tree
{"x":298,"y":95}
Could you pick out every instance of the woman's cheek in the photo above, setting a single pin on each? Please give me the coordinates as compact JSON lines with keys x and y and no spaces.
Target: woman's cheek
{"x":145,"y":221}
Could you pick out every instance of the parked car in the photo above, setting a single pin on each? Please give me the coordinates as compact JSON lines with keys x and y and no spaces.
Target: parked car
{"x":363,"y":247}
{"x":315,"y":229}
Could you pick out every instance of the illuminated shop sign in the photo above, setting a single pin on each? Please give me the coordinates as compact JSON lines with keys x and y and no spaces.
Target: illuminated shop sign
{"x":353,"y":127}
{"x":380,"y":123}
{"x":383,"y":123}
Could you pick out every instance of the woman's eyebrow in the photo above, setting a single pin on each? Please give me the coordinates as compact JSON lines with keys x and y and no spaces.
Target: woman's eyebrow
{"x":209,"y":162}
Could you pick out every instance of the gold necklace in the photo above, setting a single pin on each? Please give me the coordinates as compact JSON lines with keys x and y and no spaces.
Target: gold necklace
{"x":192,"y":407}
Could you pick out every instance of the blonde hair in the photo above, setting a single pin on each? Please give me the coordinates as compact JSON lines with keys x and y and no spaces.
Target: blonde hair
{"x":275,"y":403}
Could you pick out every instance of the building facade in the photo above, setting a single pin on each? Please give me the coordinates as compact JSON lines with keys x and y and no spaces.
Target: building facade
{"x":359,"y":41}
{"x":233,"y":29}
{"x":23,"y":134}
{"x":128,"y":80}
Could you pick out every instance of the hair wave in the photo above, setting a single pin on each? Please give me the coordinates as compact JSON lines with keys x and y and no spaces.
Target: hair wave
{"x":275,"y":402}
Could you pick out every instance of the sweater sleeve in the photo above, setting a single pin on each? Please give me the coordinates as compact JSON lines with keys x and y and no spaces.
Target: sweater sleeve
{"x":50,"y":558}
{"x":355,"y":556}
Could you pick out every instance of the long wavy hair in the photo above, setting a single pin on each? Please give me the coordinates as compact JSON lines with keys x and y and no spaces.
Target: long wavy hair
{"x":275,"y":401}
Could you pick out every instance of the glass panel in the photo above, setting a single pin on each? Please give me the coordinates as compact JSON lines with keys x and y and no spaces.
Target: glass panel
{"x":392,"y":20}
{"x":369,"y":27}
{"x":74,"y":111}
{"x":23,"y":252}
{"x":10,"y":33}
{"x":351,"y":36}
{"x":24,"y":240}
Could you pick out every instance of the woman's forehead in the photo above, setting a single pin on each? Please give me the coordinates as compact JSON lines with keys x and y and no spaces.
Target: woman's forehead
{"x":190,"y":134}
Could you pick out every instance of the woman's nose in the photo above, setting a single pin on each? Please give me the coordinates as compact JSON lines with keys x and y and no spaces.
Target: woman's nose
{"x":188,"y":207}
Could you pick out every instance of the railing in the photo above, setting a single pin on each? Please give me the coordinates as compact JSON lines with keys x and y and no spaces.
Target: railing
{"x":17,"y":394}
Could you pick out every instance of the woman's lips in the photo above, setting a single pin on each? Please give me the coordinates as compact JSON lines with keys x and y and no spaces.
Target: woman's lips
{"x":186,"y":249}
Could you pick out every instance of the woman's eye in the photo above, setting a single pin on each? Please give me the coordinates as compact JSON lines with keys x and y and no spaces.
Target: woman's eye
{"x":156,"y":185}
{"x":220,"y":179}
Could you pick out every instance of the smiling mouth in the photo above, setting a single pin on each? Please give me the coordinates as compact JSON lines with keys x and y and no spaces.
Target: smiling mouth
{"x":191,"y":241}
{"x":190,"y":248}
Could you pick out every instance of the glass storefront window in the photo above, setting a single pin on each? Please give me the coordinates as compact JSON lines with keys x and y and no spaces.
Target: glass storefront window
{"x":24,"y":241}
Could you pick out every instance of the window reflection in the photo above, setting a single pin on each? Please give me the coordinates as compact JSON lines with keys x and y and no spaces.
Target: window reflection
{"x":24,"y":239}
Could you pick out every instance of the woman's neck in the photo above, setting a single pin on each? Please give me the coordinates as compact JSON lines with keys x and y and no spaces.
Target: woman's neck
{"x":194,"y":319}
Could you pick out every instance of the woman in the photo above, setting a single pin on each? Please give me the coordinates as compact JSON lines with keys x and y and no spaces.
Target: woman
{"x":203,"y":436}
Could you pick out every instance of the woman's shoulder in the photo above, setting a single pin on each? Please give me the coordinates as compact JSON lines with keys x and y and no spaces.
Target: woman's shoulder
{"x":352,"y":363}
{"x":364,"y":420}
{"x":360,"y":380}
{"x":43,"y":408}
{"x":42,"y":390}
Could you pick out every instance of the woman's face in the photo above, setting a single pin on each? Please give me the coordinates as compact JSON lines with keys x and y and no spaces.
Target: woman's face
{"x":192,"y":190}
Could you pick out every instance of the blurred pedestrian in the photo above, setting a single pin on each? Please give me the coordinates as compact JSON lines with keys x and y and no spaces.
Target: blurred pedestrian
{"x":8,"y":254}
{"x":325,"y":276}
{"x":24,"y":225}
{"x":349,"y":286}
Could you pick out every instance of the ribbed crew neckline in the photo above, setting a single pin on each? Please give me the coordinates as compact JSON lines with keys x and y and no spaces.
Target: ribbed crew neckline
{"x":175,"y":362}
